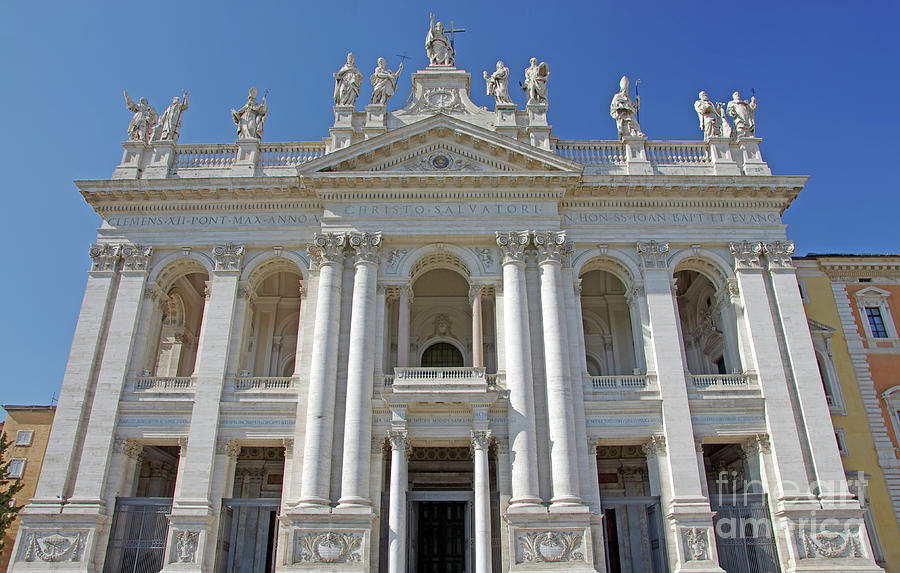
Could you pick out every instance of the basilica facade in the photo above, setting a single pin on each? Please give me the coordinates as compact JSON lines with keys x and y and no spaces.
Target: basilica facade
{"x":443,"y":340}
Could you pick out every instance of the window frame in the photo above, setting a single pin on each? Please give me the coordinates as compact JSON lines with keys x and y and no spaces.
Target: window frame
{"x":821,"y":337}
{"x":21,"y":473}
{"x":874,"y":297}
{"x":24,"y":443}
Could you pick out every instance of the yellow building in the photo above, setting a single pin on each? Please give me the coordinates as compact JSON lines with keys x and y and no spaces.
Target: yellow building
{"x":28,"y":428}
{"x":825,"y":298}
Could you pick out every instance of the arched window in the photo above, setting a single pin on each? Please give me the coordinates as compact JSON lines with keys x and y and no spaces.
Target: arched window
{"x":442,"y":354}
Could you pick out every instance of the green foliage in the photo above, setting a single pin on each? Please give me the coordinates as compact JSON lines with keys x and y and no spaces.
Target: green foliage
{"x":9,"y":487}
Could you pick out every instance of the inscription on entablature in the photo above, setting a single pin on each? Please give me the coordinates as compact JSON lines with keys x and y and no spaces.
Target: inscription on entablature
{"x":648,"y":217}
{"x":448,"y":210}
{"x":213,"y":220}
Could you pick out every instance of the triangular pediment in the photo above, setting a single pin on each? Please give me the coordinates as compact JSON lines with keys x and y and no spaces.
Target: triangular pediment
{"x":816,"y":327}
{"x":440,"y":145}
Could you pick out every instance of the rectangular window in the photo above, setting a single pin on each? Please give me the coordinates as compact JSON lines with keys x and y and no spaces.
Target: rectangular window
{"x":16,"y":467}
{"x":876,"y":322}
{"x":841,"y":442}
{"x":23,"y":437}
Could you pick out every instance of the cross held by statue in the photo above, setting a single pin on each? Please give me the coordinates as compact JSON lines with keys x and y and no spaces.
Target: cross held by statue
{"x":453,"y":30}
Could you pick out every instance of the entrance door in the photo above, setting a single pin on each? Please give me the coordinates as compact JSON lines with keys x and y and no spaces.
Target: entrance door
{"x":744,"y":533}
{"x":137,"y":538}
{"x":440,"y":530}
{"x":633,"y":540}
{"x":249,"y":529}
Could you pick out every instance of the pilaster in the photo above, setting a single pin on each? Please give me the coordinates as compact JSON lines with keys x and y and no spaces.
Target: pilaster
{"x":342,"y":130}
{"x":135,"y":157}
{"x":505,"y":119}
{"x":247,"y":155}
{"x":751,"y":158}
{"x":636,"y":162}
{"x":161,"y":160}
{"x":376,"y":120}
{"x":538,"y":128}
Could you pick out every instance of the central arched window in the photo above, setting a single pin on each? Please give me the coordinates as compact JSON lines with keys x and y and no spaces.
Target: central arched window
{"x":442,"y":354}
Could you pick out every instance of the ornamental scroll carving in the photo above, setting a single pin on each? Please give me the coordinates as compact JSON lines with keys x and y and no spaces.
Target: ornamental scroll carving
{"x":186,"y":542}
{"x":549,"y":547}
{"x":228,"y":257}
{"x":365,"y":245}
{"x":696,"y":543}
{"x":779,"y":254}
{"x":136,"y":257}
{"x":329,"y":547}
{"x":512,"y":246}
{"x":326,"y":248}
{"x":549,"y":245}
{"x":653,"y":254}
{"x":746,"y":254}
{"x":53,"y":547}
{"x":104,"y":257}
{"x":829,"y":543}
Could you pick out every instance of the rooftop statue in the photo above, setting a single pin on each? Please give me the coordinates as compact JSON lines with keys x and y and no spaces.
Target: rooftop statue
{"x":251,"y":118}
{"x":744,"y":115}
{"x":498,"y":84}
{"x":437,"y":46}
{"x":347,"y":83}
{"x":536,"y":76}
{"x":384,"y":82}
{"x":712,"y":120}
{"x":166,"y":129}
{"x":624,"y":110}
{"x":141,"y":125}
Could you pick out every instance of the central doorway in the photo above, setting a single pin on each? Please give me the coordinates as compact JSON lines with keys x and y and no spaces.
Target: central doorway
{"x":440,"y":530}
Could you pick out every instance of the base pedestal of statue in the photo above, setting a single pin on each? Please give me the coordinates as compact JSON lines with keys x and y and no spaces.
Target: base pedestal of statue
{"x":636,"y":162}
{"x":722,"y":156}
{"x":342,"y":130}
{"x":505,"y":119}
{"x":751,"y":156}
{"x":376,"y":120}
{"x":247,"y":155}
{"x":134,"y":157}
{"x":161,"y":160}
{"x":538,"y":128}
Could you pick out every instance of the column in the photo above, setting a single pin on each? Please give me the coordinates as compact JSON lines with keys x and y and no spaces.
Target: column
{"x":360,"y":372}
{"x":62,"y":448}
{"x":791,"y":475}
{"x":826,"y":459}
{"x":562,"y":433}
{"x":96,"y":445}
{"x":634,"y":295}
{"x":475,"y":295}
{"x":397,"y":512}
{"x":517,"y":339}
{"x":480,"y":443}
{"x":403,"y":326}
{"x":192,"y":531}
{"x":327,"y":253}
{"x":688,"y":517}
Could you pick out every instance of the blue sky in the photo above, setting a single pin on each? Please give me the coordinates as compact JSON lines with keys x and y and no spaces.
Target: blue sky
{"x":825,"y":74}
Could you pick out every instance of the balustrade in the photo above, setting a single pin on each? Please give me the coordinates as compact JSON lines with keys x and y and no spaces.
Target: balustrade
{"x":438,"y":374}
{"x":678,"y":152}
{"x":288,"y":154}
{"x":719,"y":380}
{"x":625,"y":381}
{"x":592,"y":152}
{"x":245,"y":383}
{"x":207,"y":156}
{"x":163,"y":383}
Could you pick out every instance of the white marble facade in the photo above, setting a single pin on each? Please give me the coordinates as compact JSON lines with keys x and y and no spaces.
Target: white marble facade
{"x":289,"y":300}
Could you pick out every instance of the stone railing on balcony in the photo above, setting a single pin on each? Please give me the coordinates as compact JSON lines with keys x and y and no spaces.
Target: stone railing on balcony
{"x":720,"y":380}
{"x":439,"y":379}
{"x":263,"y":383}
{"x":168,"y":384}
{"x":593,"y":153}
{"x":619,"y":382}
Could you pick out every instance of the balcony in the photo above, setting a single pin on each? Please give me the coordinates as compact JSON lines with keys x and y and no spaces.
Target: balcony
{"x":721,"y":386}
{"x":437,"y":379}
{"x":272,"y":384}
{"x":164,"y":384}
{"x":620,"y":387}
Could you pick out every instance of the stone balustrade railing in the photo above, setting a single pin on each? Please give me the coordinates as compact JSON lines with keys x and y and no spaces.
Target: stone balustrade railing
{"x":678,"y":152}
{"x":387,"y":380}
{"x":620,"y":382}
{"x":592,"y":152}
{"x":288,"y":154}
{"x":262,"y":383}
{"x":163,"y":383}
{"x":720,"y":380}
{"x":439,"y":374}
{"x":206,"y":156}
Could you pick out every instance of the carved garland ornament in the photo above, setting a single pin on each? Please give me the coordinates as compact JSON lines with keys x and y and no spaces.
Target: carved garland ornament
{"x":829,"y":543}
{"x":53,"y":547}
{"x":329,"y":547}
{"x":186,"y":543}
{"x":696,"y":543}
{"x":550,"y":547}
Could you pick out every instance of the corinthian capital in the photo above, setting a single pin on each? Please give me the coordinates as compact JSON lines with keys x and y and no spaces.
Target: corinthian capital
{"x":365,"y":246}
{"x":136,"y":257}
{"x":481,"y":439}
{"x":653,"y":254}
{"x":104,"y":257}
{"x":228,"y":257}
{"x":746,"y":254}
{"x":326,"y":248}
{"x":655,"y":446}
{"x":512,"y":246}
{"x":779,"y":254}
{"x":399,"y":440}
{"x":550,"y":245}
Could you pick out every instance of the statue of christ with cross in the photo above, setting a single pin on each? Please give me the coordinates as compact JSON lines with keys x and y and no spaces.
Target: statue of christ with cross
{"x":439,"y":49}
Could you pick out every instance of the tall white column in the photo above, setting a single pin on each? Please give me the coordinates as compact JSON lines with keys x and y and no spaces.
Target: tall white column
{"x":62,"y":449}
{"x":403,"y":326}
{"x":826,"y":459}
{"x":97,"y":442}
{"x":480,"y":443}
{"x":791,"y":474}
{"x":562,"y":432}
{"x":475,"y":295}
{"x":397,"y":511}
{"x":360,"y":372}
{"x":517,"y":338}
{"x":326,"y":251}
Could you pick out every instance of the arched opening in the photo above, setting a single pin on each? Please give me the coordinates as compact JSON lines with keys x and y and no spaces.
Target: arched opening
{"x":608,"y":335}
{"x":703,"y":325}
{"x":178,"y":326}
{"x":442,"y":354}
{"x":269,"y":345}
